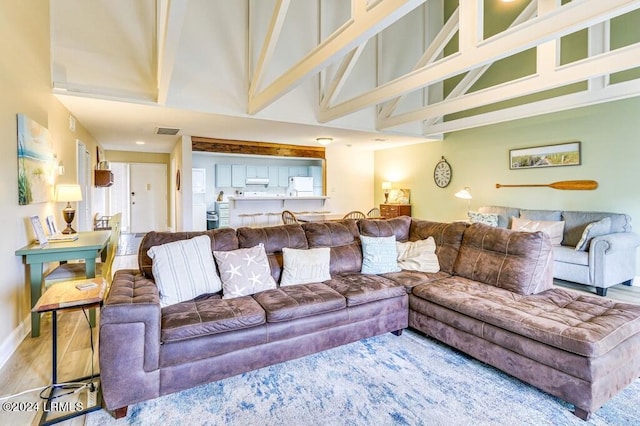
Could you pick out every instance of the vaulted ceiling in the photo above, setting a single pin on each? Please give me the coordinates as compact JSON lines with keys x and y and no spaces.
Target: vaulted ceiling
{"x":369,"y":73}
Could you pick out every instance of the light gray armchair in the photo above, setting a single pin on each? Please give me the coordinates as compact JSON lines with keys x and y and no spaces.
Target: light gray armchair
{"x":609,"y":257}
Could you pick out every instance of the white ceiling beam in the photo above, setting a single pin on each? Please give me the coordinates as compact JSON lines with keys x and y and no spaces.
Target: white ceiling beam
{"x":355,"y":32}
{"x":429,"y":56}
{"x":341,"y":76}
{"x":610,"y":93}
{"x":269,"y":46}
{"x":170,"y":15}
{"x":529,"y":12}
{"x":565,"y":20}
{"x":603,"y":64}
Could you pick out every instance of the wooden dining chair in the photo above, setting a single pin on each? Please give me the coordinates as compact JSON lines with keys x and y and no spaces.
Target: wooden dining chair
{"x":355,"y":215}
{"x":77,"y":271}
{"x":288,"y":217}
{"x":374,"y":212}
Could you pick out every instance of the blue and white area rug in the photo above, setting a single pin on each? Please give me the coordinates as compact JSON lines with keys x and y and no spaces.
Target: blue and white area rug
{"x":383,"y":380}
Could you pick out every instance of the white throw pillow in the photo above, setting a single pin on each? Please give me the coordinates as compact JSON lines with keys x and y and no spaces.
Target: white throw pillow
{"x":594,"y":229}
{"x":184,"y":270}
{"x":379,"y":255}
{"x":244,"y":271}
{"x":418,"y":255}
{"x":553,"y":228}
{"x":305,"y":266}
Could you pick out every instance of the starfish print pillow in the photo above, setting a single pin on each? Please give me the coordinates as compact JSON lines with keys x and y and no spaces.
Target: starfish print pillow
{"x":244,"y":271}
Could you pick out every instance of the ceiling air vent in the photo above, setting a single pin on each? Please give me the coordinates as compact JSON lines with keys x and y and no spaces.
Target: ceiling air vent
{"x":167,"y":131}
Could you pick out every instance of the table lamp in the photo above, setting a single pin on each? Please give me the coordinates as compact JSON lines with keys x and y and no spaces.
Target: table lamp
{"x":465,"y":194}
{"x":68,"y":193}
{"x":386,"y":186}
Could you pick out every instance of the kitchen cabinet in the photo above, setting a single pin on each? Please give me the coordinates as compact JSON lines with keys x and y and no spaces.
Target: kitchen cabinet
{"x":198,"y":180}
{"x":222,"y":209}
{"x":261,"y":172}
{"x":298,"y":171}
{"x":223,"y":176}
{"x":272,"y":172}
{"x":316,"y":173}
{"x":283,"y":176}
{"x":238,"y":175}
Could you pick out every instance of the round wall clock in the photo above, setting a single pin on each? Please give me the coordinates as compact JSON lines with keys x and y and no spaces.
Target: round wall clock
{"x":178,"y":180}
{"x":442,"y":173}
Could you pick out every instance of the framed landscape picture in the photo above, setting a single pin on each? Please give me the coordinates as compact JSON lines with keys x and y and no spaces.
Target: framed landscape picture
{"x":564,"y":154}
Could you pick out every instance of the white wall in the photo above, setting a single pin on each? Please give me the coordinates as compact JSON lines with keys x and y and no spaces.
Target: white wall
{"x":26,"y":88}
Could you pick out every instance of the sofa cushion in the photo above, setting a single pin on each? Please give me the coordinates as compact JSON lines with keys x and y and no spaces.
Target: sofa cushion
{"x":274,"y":239}
{"x":184,"y":269}
{"x":221,"y":239}
{"x":418,"y":255}
{"x":546,"y":215}
{"x":398,"y":226}
{"x":360,"y":288}
{"x":448,"y":237}
{"x":594,"y":229}
{"x":504,"y":214}
{"x":244,"y":271}
{"x":209,"y":315}
{"x":298,"y":301}
{"x":517,"y":261}
{"x":410,"y":279}
{"x":305,"y":266}
{"x":379,"y":255}
{"x":570,"y":255}
{"x":343,"y":239}
{"x":582,"y":324}
{"x":575,"y":222}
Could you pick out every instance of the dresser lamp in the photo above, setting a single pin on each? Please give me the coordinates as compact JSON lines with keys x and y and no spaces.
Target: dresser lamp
{"x":386,"y":186}
{"x":68,"y":194}
{"x":465,"y":194}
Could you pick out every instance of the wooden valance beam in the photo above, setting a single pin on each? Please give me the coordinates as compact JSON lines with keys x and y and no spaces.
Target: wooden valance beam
{"x":228,"y":146}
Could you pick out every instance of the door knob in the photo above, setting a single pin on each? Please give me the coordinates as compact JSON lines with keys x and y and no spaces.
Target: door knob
{"x":133,"y":193}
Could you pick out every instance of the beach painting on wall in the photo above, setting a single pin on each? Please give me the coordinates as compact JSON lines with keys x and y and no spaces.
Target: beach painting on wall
{"x":36,"y":163}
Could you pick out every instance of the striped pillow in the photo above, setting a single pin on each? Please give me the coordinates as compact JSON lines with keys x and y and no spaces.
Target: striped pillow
{"x":184,"y":270}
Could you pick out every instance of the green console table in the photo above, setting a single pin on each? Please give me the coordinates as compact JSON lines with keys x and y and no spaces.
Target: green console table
{"x":88,"y":246}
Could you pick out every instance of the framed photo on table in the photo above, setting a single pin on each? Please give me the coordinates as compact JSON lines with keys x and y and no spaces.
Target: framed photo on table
{"x":51,"y":226}
{"x":41,"y":236}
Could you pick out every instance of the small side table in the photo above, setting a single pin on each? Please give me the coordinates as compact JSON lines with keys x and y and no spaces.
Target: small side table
{"x":60,"y":296}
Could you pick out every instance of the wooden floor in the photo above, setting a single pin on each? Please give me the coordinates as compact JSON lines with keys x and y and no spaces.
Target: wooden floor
{"x":30,"y":366}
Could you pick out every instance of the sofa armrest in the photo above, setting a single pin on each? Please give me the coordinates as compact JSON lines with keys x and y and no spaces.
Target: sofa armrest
{"x":130,"y":322}
{"x":612,"y":258}
{"x":611,"y":243}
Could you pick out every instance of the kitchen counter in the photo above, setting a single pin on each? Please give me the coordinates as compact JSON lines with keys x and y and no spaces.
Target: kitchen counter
{"x":275,"y":197}
{"x":265,"y":210}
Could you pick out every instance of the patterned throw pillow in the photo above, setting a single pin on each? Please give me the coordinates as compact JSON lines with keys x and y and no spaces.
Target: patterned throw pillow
{"x":418,"y":256}
{"x":490,"y":219}
{"x":184,"y":270}
{"x":244,"y":271}
{"x":553,"y":228}
{"x":594,"y":229}
{"x":379,"y":255}
{"x":305,"y":266}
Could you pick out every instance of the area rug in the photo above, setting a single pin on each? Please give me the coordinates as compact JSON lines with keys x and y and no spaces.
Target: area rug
{"x":383,"y":380}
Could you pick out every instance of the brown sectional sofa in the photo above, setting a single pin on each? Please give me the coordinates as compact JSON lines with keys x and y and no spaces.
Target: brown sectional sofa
{"x":493,"y":298}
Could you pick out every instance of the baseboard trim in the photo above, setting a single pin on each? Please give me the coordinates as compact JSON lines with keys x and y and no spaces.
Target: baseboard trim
{"x":11,"y":343}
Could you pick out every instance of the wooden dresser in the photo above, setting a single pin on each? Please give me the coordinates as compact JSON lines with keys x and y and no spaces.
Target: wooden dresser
{"x":394,"y":210}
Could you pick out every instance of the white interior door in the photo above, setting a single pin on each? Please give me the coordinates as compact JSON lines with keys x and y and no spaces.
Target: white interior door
{"x":119,"y":198}
{"x":148,"y":197}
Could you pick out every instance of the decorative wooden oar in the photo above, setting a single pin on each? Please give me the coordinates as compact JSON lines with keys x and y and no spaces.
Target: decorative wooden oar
{"x":580,"y":185}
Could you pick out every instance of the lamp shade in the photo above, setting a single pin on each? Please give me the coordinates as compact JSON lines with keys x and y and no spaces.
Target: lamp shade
{"x":386,"y":185}
{"x":464,"y":193}
{"x":68,"y":193}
